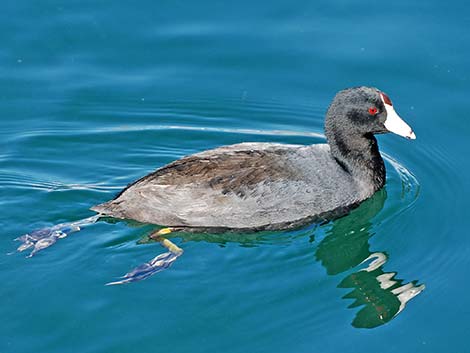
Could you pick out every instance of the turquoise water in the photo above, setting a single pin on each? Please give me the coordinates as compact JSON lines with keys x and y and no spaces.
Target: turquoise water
{"x":95,"y":95}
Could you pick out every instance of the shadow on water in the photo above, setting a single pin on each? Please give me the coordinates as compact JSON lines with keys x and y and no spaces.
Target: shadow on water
{"x":346,"y":246}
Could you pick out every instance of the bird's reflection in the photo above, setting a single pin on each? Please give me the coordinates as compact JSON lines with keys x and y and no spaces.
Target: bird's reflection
{"x":346,"y":246}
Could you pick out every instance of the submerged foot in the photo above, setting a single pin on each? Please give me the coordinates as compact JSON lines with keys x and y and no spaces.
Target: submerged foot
{"x":45,"y":237}
{"x":157,"y":264}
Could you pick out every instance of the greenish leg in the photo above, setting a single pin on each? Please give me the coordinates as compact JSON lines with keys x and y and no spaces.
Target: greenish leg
{"x":172,"y":247}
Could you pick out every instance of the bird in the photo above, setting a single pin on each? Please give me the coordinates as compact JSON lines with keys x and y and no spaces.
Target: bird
{"x":270,"y":186}
{"x":250,"y":187}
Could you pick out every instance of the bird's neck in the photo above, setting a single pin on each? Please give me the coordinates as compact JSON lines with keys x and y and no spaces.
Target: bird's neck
{"x":359,"y":155}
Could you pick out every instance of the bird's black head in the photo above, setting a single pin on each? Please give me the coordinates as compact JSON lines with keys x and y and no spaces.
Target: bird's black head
{"x":362,"y":111}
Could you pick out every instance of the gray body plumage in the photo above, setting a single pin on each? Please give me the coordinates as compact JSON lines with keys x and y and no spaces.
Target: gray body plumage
{"x":248,"y":186}
{"x":256,"y":186}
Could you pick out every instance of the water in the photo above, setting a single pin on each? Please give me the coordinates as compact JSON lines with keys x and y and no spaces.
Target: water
{"x":94,"y":96}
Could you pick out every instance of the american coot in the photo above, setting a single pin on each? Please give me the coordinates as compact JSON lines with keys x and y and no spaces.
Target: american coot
{"x":260,"y":186}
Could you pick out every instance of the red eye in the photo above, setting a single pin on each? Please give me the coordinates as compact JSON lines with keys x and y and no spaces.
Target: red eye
{"x":372,"y":110}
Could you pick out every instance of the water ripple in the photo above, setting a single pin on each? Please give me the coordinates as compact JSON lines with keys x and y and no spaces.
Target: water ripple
{"x":9,"y":179}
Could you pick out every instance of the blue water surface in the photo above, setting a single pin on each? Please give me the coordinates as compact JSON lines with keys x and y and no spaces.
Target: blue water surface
{"x":96,"y":94}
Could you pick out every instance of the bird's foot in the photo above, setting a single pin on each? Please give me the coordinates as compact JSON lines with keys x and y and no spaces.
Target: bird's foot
{"x":43,"y":238}
{"x":157,"y":264}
